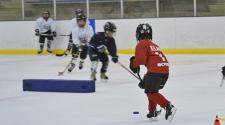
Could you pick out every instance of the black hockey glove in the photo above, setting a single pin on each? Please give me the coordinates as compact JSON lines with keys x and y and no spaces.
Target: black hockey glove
{"x":141,"y":85}
{"x":134,"y":70}
{"x":37,"y":33}
{"x":82,"y":47}
{"x":54,"y":34}
{"x":115,"y":59}
{"x":223,"y":71}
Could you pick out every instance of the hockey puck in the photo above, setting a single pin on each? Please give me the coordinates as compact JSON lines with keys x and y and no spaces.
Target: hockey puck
{"x":135,"y":112}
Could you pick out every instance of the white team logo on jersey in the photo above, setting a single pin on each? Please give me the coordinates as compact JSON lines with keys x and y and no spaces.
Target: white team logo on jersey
{"x":154,"y":48}
{"x":162,"y":64}
{"x":47,"y":27}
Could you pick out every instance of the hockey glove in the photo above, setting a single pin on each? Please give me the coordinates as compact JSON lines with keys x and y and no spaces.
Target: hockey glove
{"x":37,"y":33}
{"x":82,"y":47}
{"x":133,"y":69}
{"x":54,"y":34}
{"x":223,"y":71}
{"x":83,"y":41}
{"x":115,"y":59}
{"x":141,"y":85}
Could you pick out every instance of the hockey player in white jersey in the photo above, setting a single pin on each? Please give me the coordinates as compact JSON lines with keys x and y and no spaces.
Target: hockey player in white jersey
{"x":72,"y":25}
{"x":81,"y":36}
{"x":45,"y":28}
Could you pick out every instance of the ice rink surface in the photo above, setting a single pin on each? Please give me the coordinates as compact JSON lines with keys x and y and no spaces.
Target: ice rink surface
{"x":193,"y":87}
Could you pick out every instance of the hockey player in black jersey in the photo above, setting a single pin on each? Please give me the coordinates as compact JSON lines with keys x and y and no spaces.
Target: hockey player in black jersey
{"x":99,"y":44}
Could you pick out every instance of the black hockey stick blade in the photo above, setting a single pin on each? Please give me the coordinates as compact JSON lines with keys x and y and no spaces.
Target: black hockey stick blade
{"x":222,"y":81}
{"x":64,"y":35}
{"x":61,"y":54}
{"x":60,"y":73}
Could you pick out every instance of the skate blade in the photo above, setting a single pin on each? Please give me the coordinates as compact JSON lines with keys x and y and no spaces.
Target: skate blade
{"x":39,"y":54}
{"x":153,"y":119}
{"x":104,"y":80}
{"x":170,"y":118}
{"x":48,"y":53}
{"x":93,"y":79}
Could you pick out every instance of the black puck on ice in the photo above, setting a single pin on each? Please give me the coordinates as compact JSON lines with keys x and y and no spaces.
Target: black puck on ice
{"x":135,"y":112}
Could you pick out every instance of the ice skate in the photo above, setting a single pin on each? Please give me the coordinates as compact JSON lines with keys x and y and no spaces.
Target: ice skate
{"x":104,"y":78}
{"x":40,"y":51}
{"x":66,"y":52}
{"x":93,"y":76}
{"x":170,"y":112}
{"x":81,"y":64}
{"x":152,"y":115}
{"x":72,"y":66}
{"x":49,"y":51}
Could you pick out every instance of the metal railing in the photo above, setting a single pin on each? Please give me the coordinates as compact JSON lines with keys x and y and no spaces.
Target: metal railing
{"x":124,"y":7}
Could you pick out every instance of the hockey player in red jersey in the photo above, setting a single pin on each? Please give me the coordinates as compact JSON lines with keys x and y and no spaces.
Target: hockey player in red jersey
{"x":148,"y":53}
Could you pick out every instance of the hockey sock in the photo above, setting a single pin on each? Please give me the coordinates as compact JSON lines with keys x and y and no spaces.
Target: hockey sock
{"x":157,"y":98}
{"x":104,"y":67}
{"x":94,"y":66}
{"x":49,"y":45}
{"x":151,"y":105}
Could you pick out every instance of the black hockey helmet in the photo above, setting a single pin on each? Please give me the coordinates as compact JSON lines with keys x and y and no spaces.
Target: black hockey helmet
{"x":46,"y":12}
{"x":79,"y":11}
{"x":81,"y":16}
{"x":110,"y":26}
{"x":144,"y":31}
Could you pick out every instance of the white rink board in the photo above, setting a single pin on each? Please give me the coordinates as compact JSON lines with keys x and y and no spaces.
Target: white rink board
{"x":201,"y":32}
{"x":190,"y":32}
{"x":126,"y":33}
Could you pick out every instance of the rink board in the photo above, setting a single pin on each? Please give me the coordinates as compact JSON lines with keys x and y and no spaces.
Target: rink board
{"x":54,"y":85}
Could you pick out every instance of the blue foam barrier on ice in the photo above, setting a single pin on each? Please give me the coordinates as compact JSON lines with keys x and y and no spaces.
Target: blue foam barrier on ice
{"x":54,"y":85}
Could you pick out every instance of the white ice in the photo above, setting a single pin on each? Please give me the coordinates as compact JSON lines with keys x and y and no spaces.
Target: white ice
{"x":193,"y":87}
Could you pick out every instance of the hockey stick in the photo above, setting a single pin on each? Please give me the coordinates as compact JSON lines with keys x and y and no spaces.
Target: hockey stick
{"x":67,"y":66}
{"x":51,"y":35}
{"x":138,"y":73}
{"x":222,"y":81}
{"x":59,"y":54}
{"x":64,"y":35}
{"x":62,"y":54}
{"x":138,"y":77}
{"x":46,"y":34}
